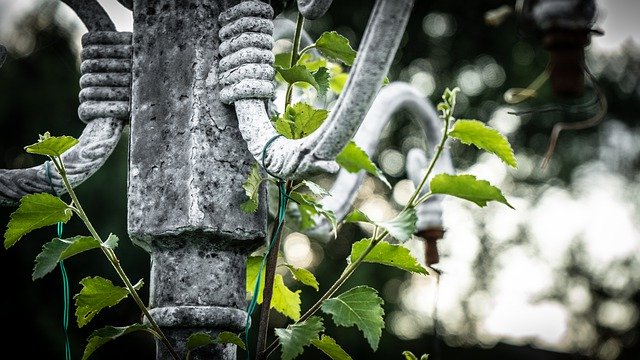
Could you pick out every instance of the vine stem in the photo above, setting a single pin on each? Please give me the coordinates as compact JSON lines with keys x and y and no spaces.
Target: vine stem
{"x":270,"y":272}
{"x":111,"y":256}
{"x":348,"y":271}
{"x":295,"y":55}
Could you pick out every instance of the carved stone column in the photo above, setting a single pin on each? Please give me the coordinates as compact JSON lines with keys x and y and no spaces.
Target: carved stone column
{"x":186,"y":168}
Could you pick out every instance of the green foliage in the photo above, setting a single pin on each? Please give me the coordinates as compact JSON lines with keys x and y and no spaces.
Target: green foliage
{"x":310,"y":207}
{"x":299,"y":120}
{"x":198,"y":339}
{"x":331,"y":348}
{"x":227,"y":337}
{"x":402,"y":226}
{"x":408,"y":355}
{"x":353,"y":159}
{"x":111,"y":242}
{"x":484,"y":137}
{"x":360,"y":306}
{"x":60,"y":249}
{"x":35,"y":211}
{"x":304,"y":276}
{"x":284,"y":300}
{"x":251,"y":188}
{"x":299,"y":73}
{"x":98,"y":293}
{"x":296,"y":336}
{"x":387,"y":254}
{"x":336,"y":47}
{"x":108,"y":333}
{"x":467,"y":187}
{"x":356,"y":216}
{"x":52,"y":146}
{"x":315,"y":188}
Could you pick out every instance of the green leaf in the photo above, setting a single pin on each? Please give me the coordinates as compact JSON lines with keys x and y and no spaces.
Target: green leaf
{"x":51,"y":145}
{"x":336,"y":47}
{"x":97,"y":293}
{"x":403,"y":226}
{"x":337,"y":82}
{"x":485,"y":138}
{"x":310,"y":62}
{"x":387,"y":254}
{"x":296,"y":336}
{"x":353,"y":159}
{"x":360,"y":306}
{"x":108,"y":333}
{"x":35,"y":211}
{"x":226,"y":337}
{"x":284,"y":300}
{"x":59,"y":249}
{"x":299,"y":120}
{"x":308,"y":208}
{"x":198,"y":339}
{"x":298,"y":73}
{"x":408,"y":355}
{"x":282,"y":60}
{"x":251,"y":188}
{"x":322,"y":78}
{"x":467,"y":187}
{"x":331,"y":348}
{"x":356,"y":216}
{"x":111,"y":242}
{"x":304,"y":276}
{"x":315,"y":188}
{"x":253,"y":266}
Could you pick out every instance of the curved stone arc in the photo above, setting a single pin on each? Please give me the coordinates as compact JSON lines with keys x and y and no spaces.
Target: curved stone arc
{"x":104,"y":106}
{"x":92,"y":14}
{"x":293,"y":158}
{"x":392,"y":99}
{"x":313,"y":9}
{"x":98,"y":140}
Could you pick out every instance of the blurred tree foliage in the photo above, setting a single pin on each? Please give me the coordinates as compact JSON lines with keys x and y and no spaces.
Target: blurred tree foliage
{"x":446,"y":44}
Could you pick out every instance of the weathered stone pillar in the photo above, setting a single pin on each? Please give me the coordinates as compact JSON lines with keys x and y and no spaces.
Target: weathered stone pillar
{"x":186,"y":167}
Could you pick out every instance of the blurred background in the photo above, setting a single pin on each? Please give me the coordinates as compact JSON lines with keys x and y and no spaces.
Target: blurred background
{"x":556,"y":278}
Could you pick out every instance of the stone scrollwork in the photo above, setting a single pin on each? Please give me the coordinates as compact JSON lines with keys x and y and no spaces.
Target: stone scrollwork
{"x":104,"y":106}
{"x":294,"y":158}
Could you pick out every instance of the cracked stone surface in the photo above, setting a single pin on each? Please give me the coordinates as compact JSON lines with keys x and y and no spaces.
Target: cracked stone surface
{"x":187,"y":165}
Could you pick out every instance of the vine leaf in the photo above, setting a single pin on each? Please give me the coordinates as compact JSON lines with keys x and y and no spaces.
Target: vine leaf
{"x":251,"y":188}
{"x":253,"y":267}
{"x":296,"y":336}
{"x":304,"y":276}
{"x":299,"y":73}
{"x":98,"y":293}
{"x":59,"y":249}
{"x":387,"y":254}
{"x":309,"y":207}
{"x":322,"y":78}
{"x":474,"y":132}
{"x":108,"y":333}
{"x":35,"y":211}
{"x":315,"y":188}
{"x":284,"y":300}
{"x":336,"y":47}
{"x":299,"y":120}
{"x":198,"y":339}
{"x":331,"y":348}
{"x":111,"y":242}
{"x":408,"y":355}
{"x":52,"y":146}
{"x":467,"y":187}
{"x":353,"y":159}
{"x":356,"y":215}
{"x":337,"y":82}
{"x":402,"y":226}
{"x":360,"y":306}
{"x":227,"y":337}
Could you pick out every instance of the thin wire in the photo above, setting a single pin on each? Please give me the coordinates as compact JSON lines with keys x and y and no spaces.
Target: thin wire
{"x":65,"y":279}
{"x":282,"y":207}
